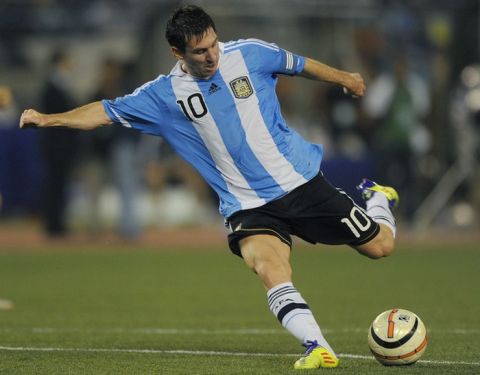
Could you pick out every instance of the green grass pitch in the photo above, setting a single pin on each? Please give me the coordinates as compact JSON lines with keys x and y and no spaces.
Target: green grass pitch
{"x":201,"y":311}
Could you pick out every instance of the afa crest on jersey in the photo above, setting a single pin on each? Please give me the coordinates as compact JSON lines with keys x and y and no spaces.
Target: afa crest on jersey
{"x":241,"y":87}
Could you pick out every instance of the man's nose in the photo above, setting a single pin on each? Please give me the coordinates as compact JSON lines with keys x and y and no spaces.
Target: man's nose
{"x":210,"y":55}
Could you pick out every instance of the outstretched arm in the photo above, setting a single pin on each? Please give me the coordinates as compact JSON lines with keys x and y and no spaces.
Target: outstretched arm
{"x":352,"y":82}
{"x":87,"y":117}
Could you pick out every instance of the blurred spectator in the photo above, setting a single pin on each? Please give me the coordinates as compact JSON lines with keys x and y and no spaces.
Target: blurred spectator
{"x":177,"y":192}
{"x":288,"y":93}
{"x":341,"y":130}
{"x":465,"y":120}
{"x":398,"y":102}
{"x":5,"y":96}
{"x":112,"y":154}
{"x":20,"y":174}
{"x":5,"y":101}
{"x":59,"y":145}
{"x":344,"y":116}
{"x":8,"y":108}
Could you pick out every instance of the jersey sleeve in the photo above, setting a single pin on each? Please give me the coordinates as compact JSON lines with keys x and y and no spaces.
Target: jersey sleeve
{"x":140,"y":110}
{"x":276,"y":60}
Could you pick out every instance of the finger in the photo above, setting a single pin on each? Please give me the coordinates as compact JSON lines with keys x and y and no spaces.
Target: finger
{"x":351,"y":94}
{"x":25,"y":122}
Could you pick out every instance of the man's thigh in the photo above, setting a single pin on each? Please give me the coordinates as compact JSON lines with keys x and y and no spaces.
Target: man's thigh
{"x":253,"y":223}
{"x":326,"y":214}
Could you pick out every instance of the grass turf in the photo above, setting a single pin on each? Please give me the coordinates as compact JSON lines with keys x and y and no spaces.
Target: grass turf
{"x":134,"y":312}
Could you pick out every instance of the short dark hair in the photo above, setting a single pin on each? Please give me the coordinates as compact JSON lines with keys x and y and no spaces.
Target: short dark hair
{"x":185,"y":23}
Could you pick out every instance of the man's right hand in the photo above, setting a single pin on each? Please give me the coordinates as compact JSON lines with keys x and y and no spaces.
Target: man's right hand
{"x":30,"y":119}
{"x":356,"y":87}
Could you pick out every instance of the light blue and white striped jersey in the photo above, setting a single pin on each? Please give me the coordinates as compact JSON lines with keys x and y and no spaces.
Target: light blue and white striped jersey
{"x":229,"y":127}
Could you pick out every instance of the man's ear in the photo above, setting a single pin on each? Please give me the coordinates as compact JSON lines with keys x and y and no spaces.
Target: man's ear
{"x":177,"y":53}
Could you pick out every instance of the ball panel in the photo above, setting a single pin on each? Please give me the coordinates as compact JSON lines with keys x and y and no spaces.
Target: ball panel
{"x":399,"y":338}
{"x":402,"y":359}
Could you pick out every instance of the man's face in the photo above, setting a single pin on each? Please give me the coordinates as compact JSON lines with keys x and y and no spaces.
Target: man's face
{"x":201,"y":55}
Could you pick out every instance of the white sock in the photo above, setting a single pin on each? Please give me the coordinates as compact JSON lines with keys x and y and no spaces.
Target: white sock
{"x":379,"y":211}
{"x":292,"y":311}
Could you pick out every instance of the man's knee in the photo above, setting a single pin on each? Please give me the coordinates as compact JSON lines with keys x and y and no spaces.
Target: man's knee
{"x":381,"y":246}
{"x":269,"y":265}
{"x":267,"y":256}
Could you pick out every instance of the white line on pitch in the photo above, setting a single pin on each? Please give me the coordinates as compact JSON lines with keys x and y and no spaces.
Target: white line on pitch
{"x":207,"y":352}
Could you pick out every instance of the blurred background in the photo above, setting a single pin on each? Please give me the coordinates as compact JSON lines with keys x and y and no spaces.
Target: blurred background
{"x":416,"y":129}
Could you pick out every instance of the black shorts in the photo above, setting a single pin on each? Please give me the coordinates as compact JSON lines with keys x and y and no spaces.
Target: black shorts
{"x":316,"y":212}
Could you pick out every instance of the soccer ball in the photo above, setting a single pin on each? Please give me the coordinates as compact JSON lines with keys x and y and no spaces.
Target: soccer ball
{"x":397,"y":337}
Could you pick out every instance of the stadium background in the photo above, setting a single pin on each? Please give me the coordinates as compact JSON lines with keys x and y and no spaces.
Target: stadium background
{"x":436,"y":41}
{"x":99,"y":300}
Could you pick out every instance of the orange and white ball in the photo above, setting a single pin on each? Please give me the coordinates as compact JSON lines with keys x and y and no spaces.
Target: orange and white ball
{"x":397,"y":337}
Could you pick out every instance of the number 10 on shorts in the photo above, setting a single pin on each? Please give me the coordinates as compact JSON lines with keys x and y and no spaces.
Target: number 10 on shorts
{"x":357,"y":222}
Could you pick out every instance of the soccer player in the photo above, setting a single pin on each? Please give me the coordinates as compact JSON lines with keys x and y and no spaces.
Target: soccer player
{"x":218,"y":109}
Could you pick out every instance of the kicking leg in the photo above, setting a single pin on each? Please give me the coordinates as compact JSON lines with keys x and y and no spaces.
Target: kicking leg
{"x":269,"y":258}
{"x":380,"y":201}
